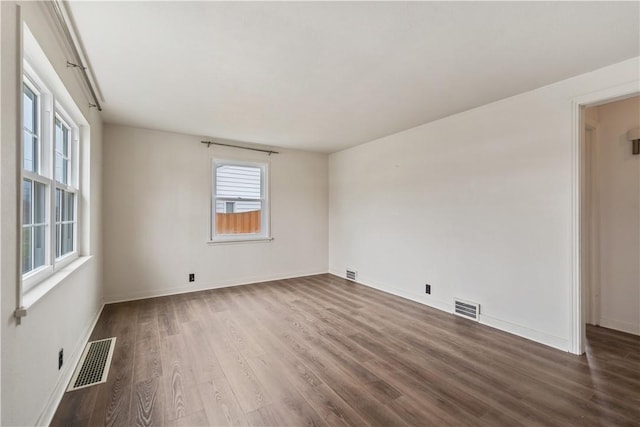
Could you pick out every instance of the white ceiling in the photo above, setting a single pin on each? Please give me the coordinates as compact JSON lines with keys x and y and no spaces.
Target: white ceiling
{"x":326,"y":76}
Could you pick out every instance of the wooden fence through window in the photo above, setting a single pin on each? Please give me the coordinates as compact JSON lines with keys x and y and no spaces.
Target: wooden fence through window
{"x":238,"y":223}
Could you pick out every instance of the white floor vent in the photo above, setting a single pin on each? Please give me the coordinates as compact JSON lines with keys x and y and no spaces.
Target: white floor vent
{"x":352,"y":274}
{"x":470,"y":310}
{"x":93,"y":367}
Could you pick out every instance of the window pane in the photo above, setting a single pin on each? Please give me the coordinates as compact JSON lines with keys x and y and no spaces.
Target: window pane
{"x":26,"y":250}
{"x":65,"y":141}
{"x":59,"y":173}
{"x":29,"y":109}
{"x":30,"y":131}
{"x":29,"y":152}
{"x":238,"y":181}
{"x":40,"y":192}
{"x":65,"y":211}
{"x":27,"y":201}
{"x":68,"y":211}
{"x":65,"y":203}
{"x":58,"y":205}
{"x":65,"y":171}
{"x":58,"y":240}
{"x":66,"y":239}
{"x":59,"y":136}
{"x":245,"y":222}
{"x":62,"y":152}
{"x":242,"y":216}
{"x":39,"y":246}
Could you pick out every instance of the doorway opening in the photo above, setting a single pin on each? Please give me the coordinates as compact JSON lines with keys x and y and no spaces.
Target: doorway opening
{"x":607,"y":207}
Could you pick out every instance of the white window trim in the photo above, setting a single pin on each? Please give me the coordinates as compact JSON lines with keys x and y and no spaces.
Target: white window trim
{"x":265,"y":220}
{"x":48,"y":109}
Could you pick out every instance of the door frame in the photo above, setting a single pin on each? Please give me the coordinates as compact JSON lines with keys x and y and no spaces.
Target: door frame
{"x":578,"y":285}
{"x":591,"y":223}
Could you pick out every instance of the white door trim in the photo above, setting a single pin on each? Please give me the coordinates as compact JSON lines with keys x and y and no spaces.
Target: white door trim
{"x":577,"y":321}
{"x":591,"y":242}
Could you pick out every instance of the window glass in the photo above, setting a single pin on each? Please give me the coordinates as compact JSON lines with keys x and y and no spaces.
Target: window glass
{"x":29,"y":125}
{"x":65,"y":220}
{"x":39,"y":206}
{"x":62,"y":152}
{"x":239,"y":199}
{"x":66,"y":239}
{"x":27,"y":202}
{"x":29,"y":109}
{"x":39,"y":241}
{"x":27,"y":258}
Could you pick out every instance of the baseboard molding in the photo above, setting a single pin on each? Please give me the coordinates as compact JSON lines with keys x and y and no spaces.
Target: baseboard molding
{"x":440,"y":305}
{"x":620,"y":325}
{"x":132,"y":296}
{"x":524,"y":332}
{"x":503,"y":325}
{"x":46,"y":416}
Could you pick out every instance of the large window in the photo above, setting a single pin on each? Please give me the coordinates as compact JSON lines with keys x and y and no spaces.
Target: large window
{"x":240,"y":201}
{"x":49,"y":182}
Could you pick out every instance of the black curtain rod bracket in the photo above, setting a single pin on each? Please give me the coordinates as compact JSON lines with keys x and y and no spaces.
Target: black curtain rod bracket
{"x":71,"y":64}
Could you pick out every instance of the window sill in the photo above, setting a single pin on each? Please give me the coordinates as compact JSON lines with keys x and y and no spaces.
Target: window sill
{"x":232,"y":241}
{"x":34,"y":294}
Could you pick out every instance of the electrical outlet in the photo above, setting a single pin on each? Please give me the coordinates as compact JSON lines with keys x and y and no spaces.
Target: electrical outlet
{"x":60,"y":358}
{"x":427,"y":289}
{"x":192,"y":277}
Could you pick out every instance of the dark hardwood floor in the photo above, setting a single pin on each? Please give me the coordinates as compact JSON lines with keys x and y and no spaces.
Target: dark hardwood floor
{"x":324,"y":351}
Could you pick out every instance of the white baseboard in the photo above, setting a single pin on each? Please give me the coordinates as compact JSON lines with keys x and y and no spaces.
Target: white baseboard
{"x":132,"y":296}
{"x":503,"y":325}
{"x":524,"y":332}
{"x":431,"y":302}
{"x":46,"y":416}
{"x":620,"y":325}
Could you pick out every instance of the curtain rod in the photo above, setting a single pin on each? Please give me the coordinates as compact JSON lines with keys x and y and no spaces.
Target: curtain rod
{"x":269,"y":152}
{"x":57,"y":8}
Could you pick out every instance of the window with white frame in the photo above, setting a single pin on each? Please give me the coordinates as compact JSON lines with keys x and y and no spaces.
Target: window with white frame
{"x":240,"y":202}
{"x":50,"y":143}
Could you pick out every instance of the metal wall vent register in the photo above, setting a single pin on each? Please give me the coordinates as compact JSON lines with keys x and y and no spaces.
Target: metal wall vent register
{"x":352,"y":275}
{"x":94,"y":364}
{"x":470,"y":310}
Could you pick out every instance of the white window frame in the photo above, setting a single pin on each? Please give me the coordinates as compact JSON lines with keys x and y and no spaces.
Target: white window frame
{"x":48,"y":109}
{"x":265,"y":233}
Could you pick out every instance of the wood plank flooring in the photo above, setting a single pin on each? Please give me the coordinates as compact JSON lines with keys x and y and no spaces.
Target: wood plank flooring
{"x":320,"y":350}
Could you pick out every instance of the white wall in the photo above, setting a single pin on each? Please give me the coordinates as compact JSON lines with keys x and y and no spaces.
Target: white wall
{"x":31,"y":381}
{"x":619,"y":214}
{"x":157,"y":209}
{"x":479,"y":205}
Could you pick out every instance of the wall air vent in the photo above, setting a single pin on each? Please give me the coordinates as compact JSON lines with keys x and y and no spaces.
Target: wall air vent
{"x":93,"y":367}
{"x":352,"y":274}
{"x":470,"y":310}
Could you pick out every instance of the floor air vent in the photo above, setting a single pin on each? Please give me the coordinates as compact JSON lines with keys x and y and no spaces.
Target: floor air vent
{"x":352,"y":275}
{"x":93,"y":367}
{"x":467,"y":309}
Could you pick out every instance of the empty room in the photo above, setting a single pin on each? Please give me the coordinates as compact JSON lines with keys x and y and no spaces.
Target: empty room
{"x":319,"y":213}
